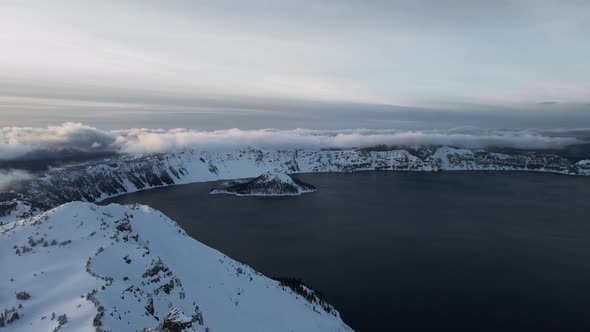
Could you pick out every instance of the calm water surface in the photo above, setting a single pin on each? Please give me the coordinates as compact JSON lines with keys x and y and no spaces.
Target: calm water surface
{"x":413,"y":251}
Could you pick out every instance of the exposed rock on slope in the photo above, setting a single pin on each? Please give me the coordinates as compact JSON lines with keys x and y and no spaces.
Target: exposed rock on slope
{"x":116,"y":268}
{"x":268,"y":184}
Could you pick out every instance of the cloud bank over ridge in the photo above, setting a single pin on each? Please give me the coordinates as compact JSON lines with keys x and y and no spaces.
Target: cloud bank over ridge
{"x":9,"y":177}
{"x":27,"y":142}
{"x":18,"y":142}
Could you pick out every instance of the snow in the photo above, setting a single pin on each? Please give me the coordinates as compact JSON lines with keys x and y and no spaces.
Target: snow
{"x":454,"y":159}
{"x":20,"y":208}
{"x":276,"y":176}
{"x":583,"y":167}
{"x":124,"y":258}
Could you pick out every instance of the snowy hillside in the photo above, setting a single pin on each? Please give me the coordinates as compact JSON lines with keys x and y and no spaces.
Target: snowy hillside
{"x":268,"y":184}
{"x":99,"y":180}
{"x":82,"y":267}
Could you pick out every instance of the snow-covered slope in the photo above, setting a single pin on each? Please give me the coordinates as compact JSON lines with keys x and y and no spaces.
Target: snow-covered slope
{"x":79,"y":266}
{"x":82,"y":267}
{"x":268,"y":184}
{"x":99,"y":180}
{"x":13,"y":205}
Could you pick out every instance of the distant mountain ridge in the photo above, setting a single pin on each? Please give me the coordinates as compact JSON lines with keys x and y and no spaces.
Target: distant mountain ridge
{"x":128,"y":173}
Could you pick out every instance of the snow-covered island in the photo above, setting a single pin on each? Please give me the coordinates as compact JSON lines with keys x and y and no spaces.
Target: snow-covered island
{"x":83,"y":267}
{"x":268,"y":184}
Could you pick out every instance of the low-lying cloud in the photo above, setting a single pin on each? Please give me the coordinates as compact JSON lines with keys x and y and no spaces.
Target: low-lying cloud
{"x":10,"y":177}
{"x":26,"y":142}
{"x":144,"y":140}
{"x":23,"y":142}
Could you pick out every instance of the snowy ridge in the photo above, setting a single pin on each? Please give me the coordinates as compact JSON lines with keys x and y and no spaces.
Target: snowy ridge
{"x":12,"y":207}
{"x":82,"y":267}
{"x":97,"y":181}
{"x":268,"y":184}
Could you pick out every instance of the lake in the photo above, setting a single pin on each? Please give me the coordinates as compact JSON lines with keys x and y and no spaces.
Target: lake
{"x":412,"y":251}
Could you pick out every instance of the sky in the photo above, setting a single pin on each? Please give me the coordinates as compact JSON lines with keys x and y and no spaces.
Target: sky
{"x":286,"y":64}
{"x":85,"y":79}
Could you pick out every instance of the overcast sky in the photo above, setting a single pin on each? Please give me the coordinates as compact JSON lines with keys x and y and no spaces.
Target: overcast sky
{"x":288,"y":64}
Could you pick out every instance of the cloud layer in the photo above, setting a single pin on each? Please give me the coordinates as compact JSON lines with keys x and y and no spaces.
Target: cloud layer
{"x":27,"y":142}
{"x":19,"y":142}
{"x":142,"y":140}
{"x":10,"y":177}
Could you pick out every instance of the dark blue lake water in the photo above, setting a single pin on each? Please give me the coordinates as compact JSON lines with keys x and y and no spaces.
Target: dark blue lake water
{"x":413,"y":251}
